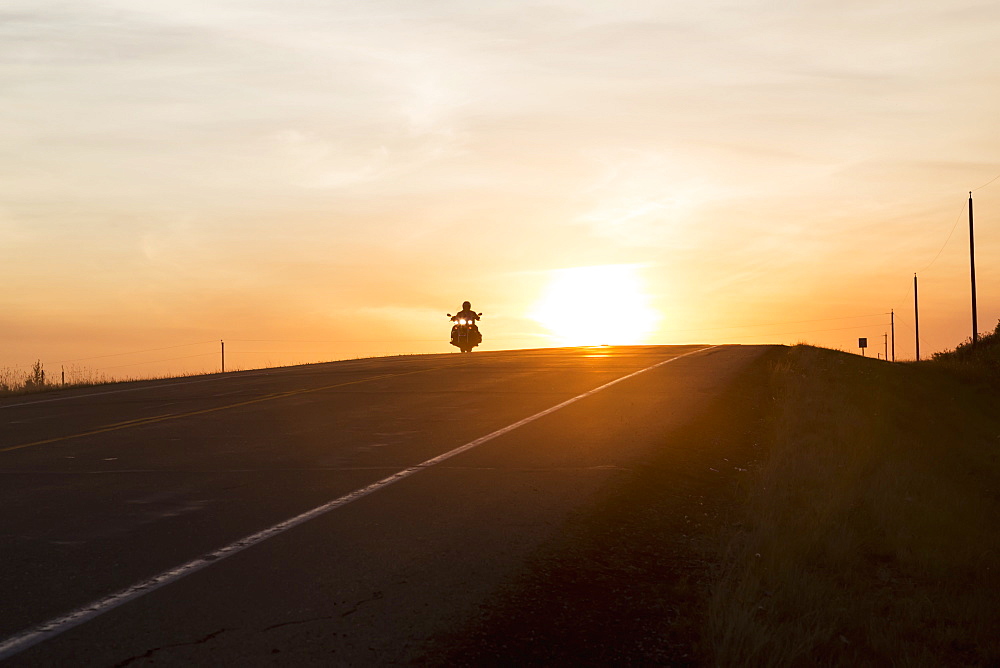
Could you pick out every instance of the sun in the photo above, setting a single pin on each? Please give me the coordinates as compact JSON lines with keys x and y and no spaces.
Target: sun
{"x":592,"y":306}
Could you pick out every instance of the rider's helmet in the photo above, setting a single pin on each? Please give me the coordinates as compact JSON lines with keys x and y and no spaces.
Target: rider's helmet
{"x":466,"y":305}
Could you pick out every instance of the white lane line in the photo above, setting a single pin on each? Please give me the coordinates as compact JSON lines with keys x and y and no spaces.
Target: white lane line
{"x":22,"y":641}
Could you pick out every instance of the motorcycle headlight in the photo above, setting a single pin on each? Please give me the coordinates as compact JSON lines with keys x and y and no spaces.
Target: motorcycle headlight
{"x":462,"y":321}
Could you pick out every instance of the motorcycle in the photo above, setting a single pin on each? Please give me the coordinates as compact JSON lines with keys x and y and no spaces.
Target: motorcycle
{"x":465,"y":333}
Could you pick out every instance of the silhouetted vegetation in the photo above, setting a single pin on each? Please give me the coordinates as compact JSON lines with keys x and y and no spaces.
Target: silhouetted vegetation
{"x":13,"y":381}
{"x":983,"y":358}
{"x":18,"y":381}
{"x":36,"y":377}
{"x":868,"y":534}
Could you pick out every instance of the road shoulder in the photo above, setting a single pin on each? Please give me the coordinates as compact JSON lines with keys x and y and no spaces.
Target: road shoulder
{"x":627,"y":582}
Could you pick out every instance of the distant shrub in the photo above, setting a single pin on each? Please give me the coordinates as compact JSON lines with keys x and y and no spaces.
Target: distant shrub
{"x":36,"y":377}
{"x":983,"y":357}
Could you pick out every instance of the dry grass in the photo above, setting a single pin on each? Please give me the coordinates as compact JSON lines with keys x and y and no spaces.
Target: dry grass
{"x":869,"y":535}
{"x":14,"y":381}
{"x":980,"y":361}
{"x":19,"y":381}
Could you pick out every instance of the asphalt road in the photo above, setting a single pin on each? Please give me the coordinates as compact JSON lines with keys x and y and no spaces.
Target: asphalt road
{"x":105,"y":488}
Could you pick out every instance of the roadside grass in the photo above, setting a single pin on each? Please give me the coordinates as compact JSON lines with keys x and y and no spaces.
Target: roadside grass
{"x":980,"y":361}
{"x":15,"y":381}
{"x":868,"y":534}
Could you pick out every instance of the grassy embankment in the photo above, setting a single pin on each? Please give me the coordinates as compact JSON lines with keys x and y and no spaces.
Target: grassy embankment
{"x":869,"y":532}
{"x":14,"y":381}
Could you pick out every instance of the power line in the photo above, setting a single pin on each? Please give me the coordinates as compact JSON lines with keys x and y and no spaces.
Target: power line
{"x":987,"y":183}
{"x":909,"y":293}
{"x":773,"y":324}
{"x":811,"y":331}
{"x":135,"y":352}
{"x":953,"y":227}
{"x":171,"y":359}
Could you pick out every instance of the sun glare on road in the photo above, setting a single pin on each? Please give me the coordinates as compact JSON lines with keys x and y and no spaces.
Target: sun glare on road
{"x":591,"y":306}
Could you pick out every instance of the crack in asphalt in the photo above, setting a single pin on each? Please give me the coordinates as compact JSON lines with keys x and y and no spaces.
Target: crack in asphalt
{"x":149,"y":653}
{"x":375,"y":597}
{"x":299,"y":621}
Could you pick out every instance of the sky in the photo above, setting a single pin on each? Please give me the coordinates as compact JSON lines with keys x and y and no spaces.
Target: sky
{"x":312,"y":179}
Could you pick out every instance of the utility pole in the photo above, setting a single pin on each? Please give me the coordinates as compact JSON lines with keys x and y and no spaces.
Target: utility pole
{"x":916,"y":315}
{"x":223,"y":355}
{"x":885,"y":342}
{"x":972,"y":267}
{"x":892,"y":324}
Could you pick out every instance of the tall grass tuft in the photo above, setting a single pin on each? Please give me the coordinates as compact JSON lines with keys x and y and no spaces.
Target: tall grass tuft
{"x":35,"y":379}
{"x":13,"y":381}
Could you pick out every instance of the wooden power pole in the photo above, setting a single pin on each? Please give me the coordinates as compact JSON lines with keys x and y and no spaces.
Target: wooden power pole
{"x":916,"y":315}
{"x":972,"y":268}
{"x":892,"y":325}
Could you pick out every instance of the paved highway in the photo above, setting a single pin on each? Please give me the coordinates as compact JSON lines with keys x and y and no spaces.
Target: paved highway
{"x":162,"y":523}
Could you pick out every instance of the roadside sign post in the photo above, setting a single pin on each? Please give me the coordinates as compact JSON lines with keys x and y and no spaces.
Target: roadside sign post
{"x":862,"y":343}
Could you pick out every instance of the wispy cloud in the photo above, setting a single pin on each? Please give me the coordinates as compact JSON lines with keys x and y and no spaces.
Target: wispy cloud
{"x":756,"y":146}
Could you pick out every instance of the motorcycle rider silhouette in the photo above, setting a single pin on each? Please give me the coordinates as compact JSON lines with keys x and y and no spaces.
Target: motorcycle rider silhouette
{"x":465,"y":332}
{"x":467,"y":313}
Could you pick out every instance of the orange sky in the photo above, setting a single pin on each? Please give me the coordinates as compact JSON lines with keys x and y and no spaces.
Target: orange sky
{"x":322,"y":180}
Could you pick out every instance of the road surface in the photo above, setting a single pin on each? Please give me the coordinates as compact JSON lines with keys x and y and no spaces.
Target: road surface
{"x":148,"y":523}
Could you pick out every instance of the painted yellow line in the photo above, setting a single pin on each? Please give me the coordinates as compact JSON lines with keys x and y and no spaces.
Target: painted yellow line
{"x":118,"y":426}
{"x":127,"y":423}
